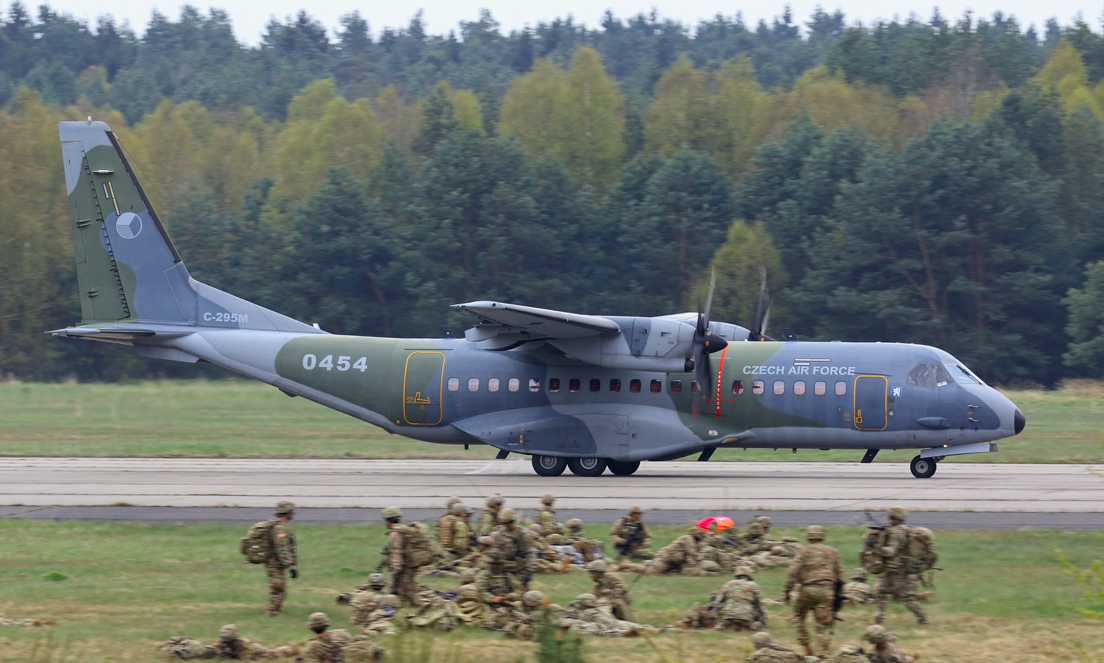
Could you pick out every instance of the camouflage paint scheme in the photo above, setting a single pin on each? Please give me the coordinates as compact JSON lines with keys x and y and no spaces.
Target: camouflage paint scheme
{"x":135,"y":290}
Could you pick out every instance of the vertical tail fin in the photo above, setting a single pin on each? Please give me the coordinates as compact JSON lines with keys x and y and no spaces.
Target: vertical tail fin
{"x":127,"y":267}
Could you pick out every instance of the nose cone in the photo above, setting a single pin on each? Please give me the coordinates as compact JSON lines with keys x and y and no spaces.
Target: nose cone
{"x":1019,"y":421}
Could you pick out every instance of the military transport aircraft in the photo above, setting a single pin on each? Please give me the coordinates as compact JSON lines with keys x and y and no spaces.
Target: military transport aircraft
{"x":585,"y":392}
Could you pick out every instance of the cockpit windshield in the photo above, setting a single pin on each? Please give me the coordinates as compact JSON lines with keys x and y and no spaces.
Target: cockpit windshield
{"x":920,"y":377}
{"x":962,"y":375}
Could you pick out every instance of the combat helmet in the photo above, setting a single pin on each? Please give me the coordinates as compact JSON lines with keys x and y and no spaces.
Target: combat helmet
{"x":859,"y":574}
{"x":587,"y":600}
{"x":746,"y":570}
{"x":376,"y":580}
{"x":548,"y":498}
{"x":897,"y":513}
{"x":532,"y":598}
{"x":779,"y":551}
{"x":450,"y":501}
{"x":507,"y":515}
{"x":229,"y":632}
{"x":555,"y":539}
{"x":596,"y":566}
{"x":875,"y":633}
{"x":814,"y":533}
{"x":391,"y":512}
{"x":458,"y":509}
{"x":635,"y":510}
{"x":495,"y":500}
{"x":765,"y":521}
{"x":284,"y":507}
{"x":318,"y":620}
{"x":574,"y":523}
{"x":536,"y":527}
{"x":761,"y":639}
{"x":695,"y":531}
{"x":485,"y":541}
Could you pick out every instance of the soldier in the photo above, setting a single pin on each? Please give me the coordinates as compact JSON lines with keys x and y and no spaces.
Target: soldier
{"x":326,"y":646}
{"x":378,"y":621}
{"x":469,"y":605}
{"x":402,"y":576}
{"x":375,"y":583}
{"x":588,"y":548}
{"x":895,"y":580}
{"x":585,"y":617}
{"x":368,"y":594}
{"x":886,"y":649}
{"x":460,"y":535}
{"x":444,"y":522}
{"x":513,"y":549}
{"x":529,"y":612}
{"x":495,"y":584}
{"x":847,"y":654}
{"x":231,"y":646}
{"x":547,"y":560}
{"x":488,"y":520}
{"x":768,"y":652}
{"x":817,"y":570}
{"x":361,"y":649}
{"x":630,"y":537}
{"x":738,"y":606}
{"x":433,"y":612}
{"x":683,"y":555}
{"x":566,"y":554}
{"x":282,"y":561}
{"x":546,"y":516}
{"x":610,"y":590}
{"x":857,"y":592}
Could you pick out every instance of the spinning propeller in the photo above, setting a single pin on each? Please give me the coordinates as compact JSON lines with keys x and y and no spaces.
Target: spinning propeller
{"x":705,"y":342}
{"x":762,"y":321}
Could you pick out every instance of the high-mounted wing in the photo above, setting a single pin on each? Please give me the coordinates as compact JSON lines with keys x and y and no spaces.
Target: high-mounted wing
{"x":508,"y":325}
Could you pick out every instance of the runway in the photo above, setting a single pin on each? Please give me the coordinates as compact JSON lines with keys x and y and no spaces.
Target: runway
{"x":353,"y":490}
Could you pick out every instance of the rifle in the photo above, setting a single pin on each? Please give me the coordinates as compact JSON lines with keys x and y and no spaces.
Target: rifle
{"x":837,"y":601}
{"x":874,"y":523}
{"x":626,"y":548}
{"x":448,"y":596}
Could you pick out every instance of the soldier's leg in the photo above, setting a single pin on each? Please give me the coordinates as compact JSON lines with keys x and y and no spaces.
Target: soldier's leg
{"x":658,"y":565}
{"x":277,"y":587}
{"x":881,"y":591}
{"x":407,"y":588}
{"x":823,"y":615}
{"x":906,"y":591}
{"x":801,"y":608}
{"x":623,"y":611}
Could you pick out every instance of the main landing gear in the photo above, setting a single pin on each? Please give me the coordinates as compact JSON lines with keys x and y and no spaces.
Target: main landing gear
{"x":923,"y":468}
{"x":554,"y":466}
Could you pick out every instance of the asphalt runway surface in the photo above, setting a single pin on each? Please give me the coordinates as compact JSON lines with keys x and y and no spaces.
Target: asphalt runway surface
{"x":959,"y":496}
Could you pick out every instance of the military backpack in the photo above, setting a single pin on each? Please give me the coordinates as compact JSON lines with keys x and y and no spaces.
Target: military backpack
{"x":444,"y":529}
{"x":871,"y":557}
{"x":920,"y":554}
{"x":257,"y":545}
{"x":419,"y":546}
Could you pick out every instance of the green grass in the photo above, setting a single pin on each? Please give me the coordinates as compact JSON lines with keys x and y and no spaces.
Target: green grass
{"x":129,"y":586}
{"x":236,"y":418}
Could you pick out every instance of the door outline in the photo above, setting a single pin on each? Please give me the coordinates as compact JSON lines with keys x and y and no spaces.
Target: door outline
{"x":419,"y":398}
{"x":857,"y":419}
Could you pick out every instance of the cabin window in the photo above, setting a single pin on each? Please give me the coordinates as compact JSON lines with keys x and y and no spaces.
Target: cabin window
{"x":657,"y":386}
{"x":738,"y":387}
{"x":676,"y":386}
{"x":820,"y":388}
{"x":634,"y":386}
{"x":596,"y":385}
{"x":454,"y":384}
{"x":615,"y":386}
{"x":553,"y":384}
{"x":492,"y":384}
{"x":757,"y":387}
{"x":920,"y":377}
{"x":779,"y":387}
{"x":514,"y":384}
{"x":963,"y":376}
{"x":473,"y":384}
{"x":573,"y":385}
{"x":841,"y":389}
{"x":695,"y":388}
{"x":799,"y":388}
{"x":941,"y":377}
{"x":534,"y":384}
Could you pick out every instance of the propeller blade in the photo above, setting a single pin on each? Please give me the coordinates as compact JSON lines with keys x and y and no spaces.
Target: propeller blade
{"x":766,"y":322}
{"x":709,"y":301}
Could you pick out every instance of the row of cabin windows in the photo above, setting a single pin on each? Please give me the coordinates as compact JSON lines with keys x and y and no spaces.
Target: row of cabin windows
{"x":574,"y":385}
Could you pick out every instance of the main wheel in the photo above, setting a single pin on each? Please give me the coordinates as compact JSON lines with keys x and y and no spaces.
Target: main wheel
{"x":549,"y":466}
{"x":587,"y":467}
{"x":922,"y":468}
{"x":622,"y":469}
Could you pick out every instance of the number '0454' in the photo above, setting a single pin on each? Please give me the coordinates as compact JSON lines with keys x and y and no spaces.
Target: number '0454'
{"x":341,"y":363}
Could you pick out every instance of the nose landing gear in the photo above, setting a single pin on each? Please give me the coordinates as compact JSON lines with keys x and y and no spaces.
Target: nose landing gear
{"x":923,"y":468}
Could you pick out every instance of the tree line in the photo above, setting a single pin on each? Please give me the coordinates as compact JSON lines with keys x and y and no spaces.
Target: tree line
{"x":919,"y":181}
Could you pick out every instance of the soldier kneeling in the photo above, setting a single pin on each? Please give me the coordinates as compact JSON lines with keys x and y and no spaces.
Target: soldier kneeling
{"x":327,"y":645}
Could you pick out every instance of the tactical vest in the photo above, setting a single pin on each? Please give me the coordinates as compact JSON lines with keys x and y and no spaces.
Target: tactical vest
{"x":444,"y":529}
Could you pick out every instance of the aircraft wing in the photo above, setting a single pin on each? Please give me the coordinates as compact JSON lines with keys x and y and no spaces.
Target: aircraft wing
{"x":512,"y":324}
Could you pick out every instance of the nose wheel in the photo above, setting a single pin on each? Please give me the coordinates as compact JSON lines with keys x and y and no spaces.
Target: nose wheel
{"x":922,"y":468}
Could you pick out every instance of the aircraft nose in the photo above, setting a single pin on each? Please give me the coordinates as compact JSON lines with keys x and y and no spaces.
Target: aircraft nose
{"x":1019,"y":421}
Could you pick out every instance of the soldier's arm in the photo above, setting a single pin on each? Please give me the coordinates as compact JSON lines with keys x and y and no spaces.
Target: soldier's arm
{"x":394,"y":551}
{"x":839,"y":567}
{"x":795,"y":572}
{"x":284,"y":545}
{"x":615,"y":533}
{"x":645,"y":537}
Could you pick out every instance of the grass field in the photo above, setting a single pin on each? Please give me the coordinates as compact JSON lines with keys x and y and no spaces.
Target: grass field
{"x":236,"y":418}
{"x":115,"y":590}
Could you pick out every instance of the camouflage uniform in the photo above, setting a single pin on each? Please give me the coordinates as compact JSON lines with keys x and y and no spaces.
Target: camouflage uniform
{"x":361,"y":649}
{"x":895,"y":580}
{"x":816,"y":569}
{"x":513,"y":549}
{"x":402,"y":577}
{"x":857,"y":592}
{"x":366,"y":600}
{"x":546,"y":516}
{"x":433,"y":612}
{"x":738,"y":604}
{"x":631,"y":527}
{"x":183,"y":647}
{"x":375,"y":585}
{"x":379,"y":620}
{"x":611,"y":591}
{"x":326,"y":646}
{"x":469,"y":606}
{"x":886,"y":649}
{"x":488,"y":520}
{"x":586,"y":618}
{"x":768,"y":652}
{"x":232,"y":646}
{"x":494,"y":582}
{"x":683,"y":555}
{"x":282,"y":561}
{"x":847,"y":654}
{"x":461,"y":542}
{"x":444,"y":529}
{"x":588,"y":548}
{"x":530,"y":611}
